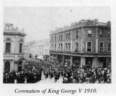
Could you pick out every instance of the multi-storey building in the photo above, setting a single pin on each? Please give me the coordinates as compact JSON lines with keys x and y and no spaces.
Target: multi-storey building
{"x":13,"y":48}
{"x":86,"y":43}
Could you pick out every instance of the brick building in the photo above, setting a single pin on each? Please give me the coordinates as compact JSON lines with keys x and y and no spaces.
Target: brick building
{"x":85,"y":43}
{"x":13,"y":48}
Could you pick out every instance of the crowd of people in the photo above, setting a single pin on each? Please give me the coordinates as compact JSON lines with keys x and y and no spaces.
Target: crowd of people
{"x":81,"y":75}
{"x":69,"y":75}
{"x":22,"y":77}
{"x":88,"y":75}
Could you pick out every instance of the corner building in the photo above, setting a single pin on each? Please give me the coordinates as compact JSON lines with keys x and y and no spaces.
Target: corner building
{"x":13,"y":48}
{"x":85,"y":43}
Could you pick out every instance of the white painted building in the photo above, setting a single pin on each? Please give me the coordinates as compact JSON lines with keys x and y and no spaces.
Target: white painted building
{"x":13,"y":48}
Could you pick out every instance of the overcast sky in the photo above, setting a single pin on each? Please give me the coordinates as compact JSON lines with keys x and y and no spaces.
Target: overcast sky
{"x":39,"y":21}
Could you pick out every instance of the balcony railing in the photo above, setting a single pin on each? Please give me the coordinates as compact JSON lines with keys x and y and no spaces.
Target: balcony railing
{"x":80,"y":54}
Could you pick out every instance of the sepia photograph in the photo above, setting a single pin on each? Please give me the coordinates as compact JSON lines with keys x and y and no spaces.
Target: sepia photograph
{"x":57,"y":45}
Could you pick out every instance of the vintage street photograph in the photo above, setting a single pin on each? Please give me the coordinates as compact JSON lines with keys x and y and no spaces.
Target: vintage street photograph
{"x":62,"y":45}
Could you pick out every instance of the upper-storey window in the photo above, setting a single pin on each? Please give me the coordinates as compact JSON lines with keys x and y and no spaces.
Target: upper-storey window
{"x":55,"y":38}
{"x":77,"y":34}
{"x":60,"y":37}
{"x":8,"y":47}
{"x":69,"y":46}
{"x":20,"y":47}
{"x":89,"y":46}
{"x":55,"y":46}
{"x":101,"y":47}
{"x":67,"y":36}
{"x":61,"y":46}
{"x":89,"y":33}
{"x":101,"y":33}
{"x":76,"y":50}
{"x":66,"y":46}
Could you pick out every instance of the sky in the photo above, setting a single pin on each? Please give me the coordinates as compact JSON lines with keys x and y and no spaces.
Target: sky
{"x":38,"y":22}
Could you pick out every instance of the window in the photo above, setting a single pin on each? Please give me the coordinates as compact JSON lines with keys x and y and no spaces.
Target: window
{"x":60,"y":37}
{"x":88,"y":46}
{"x":101,"y":46}
{"x":76,"y":47}
{"x":55,"y":46}
{"x":89,"y":33}
{"x":20,"y":48}
{"x":69,"y":46}
{"x":109,"y":47}
{"x":76,"y":34}
{"x":66,"y":46}
{"x":8,"y":48}
{"x":100,"y":33}
{"x":55,"y":38}
{"x":67,"y":36}
{"x":61,"y":47}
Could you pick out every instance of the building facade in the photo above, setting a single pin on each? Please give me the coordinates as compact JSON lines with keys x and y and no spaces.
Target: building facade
{"x":13,"y":48}
{"x":85,"y":43}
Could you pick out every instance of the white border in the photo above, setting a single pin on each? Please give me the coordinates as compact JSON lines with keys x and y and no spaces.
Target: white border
{"x":102,"y":89}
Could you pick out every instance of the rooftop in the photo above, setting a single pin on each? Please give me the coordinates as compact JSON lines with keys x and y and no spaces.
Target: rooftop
{"x":10,"y":29}
{"x":82,"y":23}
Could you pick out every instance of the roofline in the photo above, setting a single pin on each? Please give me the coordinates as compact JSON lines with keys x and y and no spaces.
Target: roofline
{"x":14,"y":33}
{"x":77,"y":27}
